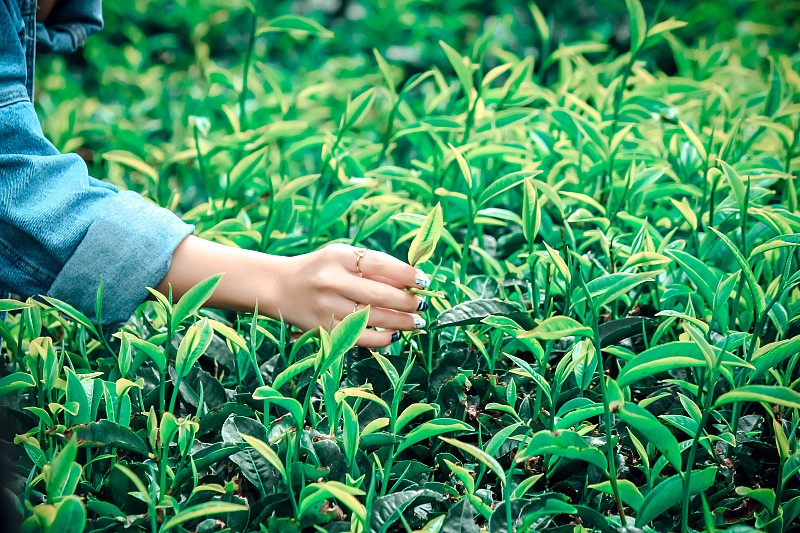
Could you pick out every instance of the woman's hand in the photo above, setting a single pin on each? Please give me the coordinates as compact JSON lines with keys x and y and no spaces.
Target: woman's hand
{"x":322,"y":287}
{"x":315,"y":289}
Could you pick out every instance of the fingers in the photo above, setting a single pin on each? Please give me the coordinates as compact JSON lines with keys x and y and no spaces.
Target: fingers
{"x":375,"y":339}
{"x":374,"y":263}
{"x":390,"y":319}
{"x":379,"y":294}
{"x":383,"y":279}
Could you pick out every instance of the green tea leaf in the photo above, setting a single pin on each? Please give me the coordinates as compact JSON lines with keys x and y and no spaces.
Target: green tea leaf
{"x":431,"y":429}
{"x":483,"y":457}
{"x":194,"y":299}
{"x":73,"y":313}
{"x":736,"y":184}
{"x":668,"y":493}
{"x":463,"y":166}
{"x":460,"y":519}
{"x":386,"y":71}
{"x":698,"y":272}
{"x":499,"y":186}
{"x":344,"y":336}
{"x":318,"y":492}
{"x":293,"y":371}
{"x":105,"y":433}
{"x":359,"y":107}
{"x":473,"y":312}
{"x":566,"y":444}
{"x":638,"y":24}
{"x":16,"y":381}
{"x":266,"y":452}
{"x":202,"y":510}
{"x":628,"y":492}
{"x":427,"y":237}
{"x":294,"y":23}
{"x":752,"y":283}
{"x":781,"y":241}
{"x":411,"y":412}
{"x":541,"y":24}
{"x":772,"y":355}
{"x":665,"y":357}
{"x":769,"y":394}
{"x":193,"y":345}
{"x":609,"y":287}
{"x":653,"y":430}
{"x":127,"y":159}
{"x":386,"y":510}
{"x":557,"y":327}
{"x":462,"y":67}
{"x":531,"y":212}
{"x":70,"y":516}
{"x":12,"y":305}
{"x":270,"y":395}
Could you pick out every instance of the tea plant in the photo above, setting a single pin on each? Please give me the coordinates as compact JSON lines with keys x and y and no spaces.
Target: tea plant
{"x":613,"y":340}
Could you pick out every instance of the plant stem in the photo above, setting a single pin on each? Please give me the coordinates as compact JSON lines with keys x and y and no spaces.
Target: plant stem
{"x":707,"y":403}
{"x":462,"y":273}
{"x":322,"y":186}
{"x":201,"y":163}
{"x":607,"y":419}
{"x":248,"y":59}
{"x":757,"y":332}
{"x":387,"y":135}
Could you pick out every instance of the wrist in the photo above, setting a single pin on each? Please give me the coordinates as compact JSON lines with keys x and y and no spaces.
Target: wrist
{"x":270,"y":284}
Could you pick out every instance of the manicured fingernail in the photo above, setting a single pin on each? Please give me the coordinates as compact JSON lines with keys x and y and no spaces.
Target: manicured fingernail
{"x":395,"y":336}
{"x":422,"y":305}
{"x":419,"y":322}
{"x":423,"y":280}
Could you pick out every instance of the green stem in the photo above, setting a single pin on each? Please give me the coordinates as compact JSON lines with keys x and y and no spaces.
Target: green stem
{"x":462,"y":273}
{"x":707,"y":403}
{"x":201,"y":163}
{"x":248,"y":59}
{"x":174,"y":396}
{"x":162,"y":470}
{"x":323,"y":186}
{"x":619,"y":91}
{"x":387,"y":136}
{"x":757,"y":333}
{"x":779,"y":489}
{"x":471,"y":115}
{"x":607,"y":420}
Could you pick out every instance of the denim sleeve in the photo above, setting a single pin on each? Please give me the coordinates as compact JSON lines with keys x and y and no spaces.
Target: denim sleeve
{"x":62,"y":231}
{"x":68,"y":25}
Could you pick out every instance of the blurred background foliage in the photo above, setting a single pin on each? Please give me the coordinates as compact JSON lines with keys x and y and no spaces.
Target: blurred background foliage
{"x":158,"y":62}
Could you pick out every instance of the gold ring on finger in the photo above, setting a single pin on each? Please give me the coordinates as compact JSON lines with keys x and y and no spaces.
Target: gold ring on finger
{"x":360,"y":253}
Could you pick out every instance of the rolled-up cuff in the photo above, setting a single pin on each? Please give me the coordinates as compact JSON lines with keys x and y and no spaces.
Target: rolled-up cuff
{"x":130,"y":248}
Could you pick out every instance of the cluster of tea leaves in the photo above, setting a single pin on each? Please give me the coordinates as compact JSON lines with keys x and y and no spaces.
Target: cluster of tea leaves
{"x":613,"y":336}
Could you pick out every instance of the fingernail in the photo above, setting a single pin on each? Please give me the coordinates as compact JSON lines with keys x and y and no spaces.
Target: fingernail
{"x":395,"y":336}
{"x":422,"y":305}
{"x":419,"y":322}
{"x":423,"y":280}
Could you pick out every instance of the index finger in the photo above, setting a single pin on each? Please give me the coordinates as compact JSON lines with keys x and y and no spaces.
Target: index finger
{"x":375,"y":263}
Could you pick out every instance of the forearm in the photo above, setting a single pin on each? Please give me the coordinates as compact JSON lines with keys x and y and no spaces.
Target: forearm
{"x":249,"y":277}
{"x":319,"y":288}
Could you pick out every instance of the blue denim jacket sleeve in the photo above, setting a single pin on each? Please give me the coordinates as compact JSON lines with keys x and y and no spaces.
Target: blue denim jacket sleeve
{"x":68,"y":25}
{"x":62,"y":231}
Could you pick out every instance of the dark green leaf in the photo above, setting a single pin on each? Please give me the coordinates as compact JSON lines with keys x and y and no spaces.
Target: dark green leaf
{"x":460,"y":519}
{"x":668,"y":493}
{"x":473,"y":312}
{"x":110,"y":434}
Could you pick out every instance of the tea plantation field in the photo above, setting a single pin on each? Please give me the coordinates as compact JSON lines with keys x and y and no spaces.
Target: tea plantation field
{"x":605,"y":197}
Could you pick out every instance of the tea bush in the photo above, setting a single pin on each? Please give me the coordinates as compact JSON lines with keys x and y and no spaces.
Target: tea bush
{"x":607,"y":206}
